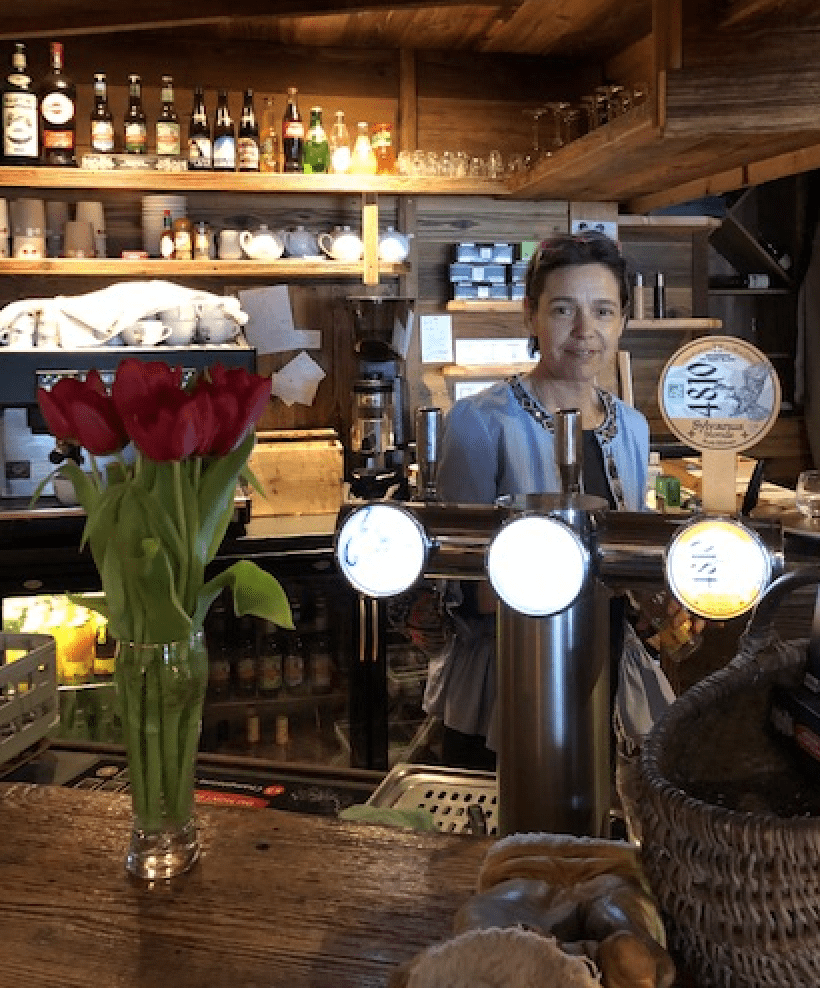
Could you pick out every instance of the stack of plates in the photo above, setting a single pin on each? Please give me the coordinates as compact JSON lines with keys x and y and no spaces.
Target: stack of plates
{"x":153,"y":210}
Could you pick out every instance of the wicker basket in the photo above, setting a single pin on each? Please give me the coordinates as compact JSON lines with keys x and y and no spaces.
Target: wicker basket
{"x":740,"y":891}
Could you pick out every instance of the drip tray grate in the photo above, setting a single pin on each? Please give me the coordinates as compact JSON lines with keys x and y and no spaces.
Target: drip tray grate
{"x":460,"y":802}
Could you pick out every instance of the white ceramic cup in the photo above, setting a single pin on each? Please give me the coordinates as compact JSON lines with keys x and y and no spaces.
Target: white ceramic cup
{"x":94,"y":213}
{"x":181,"y":332}
{"x":217,"y":329}
{"x":145,"y":332}
{"x":230,"y":248}
{"x":28,"y":217}
{"x":79,"y":239}
{"x":181,"y":313}
{"x":21,"y":331}
{"x":29,"y":248}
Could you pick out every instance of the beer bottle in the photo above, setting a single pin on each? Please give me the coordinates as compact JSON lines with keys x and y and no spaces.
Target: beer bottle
{"x":58,"y":116}
{"x":293,"y":134}
{"x":167,"y":130}
{"x":339,"y":145}
{"x":269,"y":139}
{"x":383,"y":148}
{"x":315,"y":152}
{"x":199,"y":134}
{"x":248,"y":145}
{"x":224,"y":136}
{"x":135,"y":125}
{"x":363,"y":161}
{"x":18,"y":117}
{"x":102,"y":123}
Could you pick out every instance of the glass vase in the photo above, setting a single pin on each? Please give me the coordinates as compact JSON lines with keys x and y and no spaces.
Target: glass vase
{"x":161,"y":690}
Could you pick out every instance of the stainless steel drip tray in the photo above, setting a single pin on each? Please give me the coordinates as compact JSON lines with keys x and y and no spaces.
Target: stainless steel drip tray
{"x":461,"y":801}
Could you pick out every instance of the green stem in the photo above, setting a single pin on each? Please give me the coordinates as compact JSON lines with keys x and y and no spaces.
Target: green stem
{"x":183,"y":531}
{"x":130,"y":690}
{"x":171,"y":709}
{"x":153,"y":756}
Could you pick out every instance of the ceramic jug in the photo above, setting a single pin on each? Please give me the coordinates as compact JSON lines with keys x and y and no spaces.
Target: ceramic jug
{"x":393,"y":246}
{"x":342,"y":244}
{"x":300,"y":242}
{"x":262,"y":244}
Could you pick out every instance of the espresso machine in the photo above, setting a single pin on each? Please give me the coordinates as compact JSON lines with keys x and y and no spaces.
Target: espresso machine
{"x":379,"y":432}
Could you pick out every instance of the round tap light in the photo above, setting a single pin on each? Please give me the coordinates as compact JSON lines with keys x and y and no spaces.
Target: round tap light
{"x":717,"y":568}
{"x":381,"y":549}
{"x":537,"y":565}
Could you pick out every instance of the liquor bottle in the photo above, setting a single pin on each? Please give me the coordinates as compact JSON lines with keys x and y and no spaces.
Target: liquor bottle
{"x":58,"y":119}
{"x":102,"y":122}
{"x":269,"y":662}
{"x":269,"y":139}
{"x":248,"y":143}
{"x":135,"y":129}
{"x":382,"y":143}
{"x":18,"y":118}
{"x":167,"y":129}
{"x":339,"y":145}
{"x":315,"y":151}
{"x":293,"y":134}
{"x":363,"y":160}
{"x":224,"y":136}
{"x":293,"y":666}
{"x":199,"y":134}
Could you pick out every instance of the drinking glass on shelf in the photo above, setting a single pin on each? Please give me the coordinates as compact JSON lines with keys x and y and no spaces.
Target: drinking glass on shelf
{"x":495,"y":164}
{"x":807,"y":495}
{"x":461,"y":164}
{"x":536,"y":151}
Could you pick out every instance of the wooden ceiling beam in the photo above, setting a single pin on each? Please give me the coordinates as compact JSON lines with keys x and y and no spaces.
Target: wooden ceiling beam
{"x":742,"y":11}
{"x":48,"y":19}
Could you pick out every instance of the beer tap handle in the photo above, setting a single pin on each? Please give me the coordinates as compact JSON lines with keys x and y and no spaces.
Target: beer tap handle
{"x":428,"y":429}
{"x":569,"y":449}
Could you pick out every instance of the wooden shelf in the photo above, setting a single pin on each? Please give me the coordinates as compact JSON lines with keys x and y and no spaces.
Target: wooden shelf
{"x":155,"y":267}
{"x":744,"y":253}
{"x":691,"y":324}
{"x":268,"y":182}
{"x":750,"y":291}
{"x":479,"y":372}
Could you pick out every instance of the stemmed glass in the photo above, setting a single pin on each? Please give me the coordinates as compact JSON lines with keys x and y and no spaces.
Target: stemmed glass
{"x":535,"y":153}
{"x":807,"y":495}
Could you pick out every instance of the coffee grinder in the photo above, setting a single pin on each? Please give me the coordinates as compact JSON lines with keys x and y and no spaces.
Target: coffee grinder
{"x":379,"y":430}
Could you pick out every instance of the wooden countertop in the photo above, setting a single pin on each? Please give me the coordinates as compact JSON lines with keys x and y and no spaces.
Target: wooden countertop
{"x":277,"y":899}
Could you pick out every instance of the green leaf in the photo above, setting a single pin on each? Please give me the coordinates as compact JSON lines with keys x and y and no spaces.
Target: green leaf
{"x":217,"y":490}
{"x":254,"y":591}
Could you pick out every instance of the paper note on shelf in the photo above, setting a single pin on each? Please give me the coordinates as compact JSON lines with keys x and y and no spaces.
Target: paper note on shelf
{"x":270,"y":327}
{"x":298,"y":381}
{"x":436,"y":340}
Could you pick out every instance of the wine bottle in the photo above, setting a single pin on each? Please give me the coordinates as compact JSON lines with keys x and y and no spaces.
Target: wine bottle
{"x":167,"y":128}
{"x":224,"y":136}
{"x":269,"y":139}
{"x":248,"y":143}
{"x":58,"y":114}
{"x":315,"y":152}
{"x":102,"y":122}
{"x":135,"y":127}
{"x":199,"y":135}
{"x":293,"y":134}
{"x":339,"y":145}
{"x":18,"y":117}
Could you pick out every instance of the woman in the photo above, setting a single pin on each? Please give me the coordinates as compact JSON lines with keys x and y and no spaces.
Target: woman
{"x":501,"y":441}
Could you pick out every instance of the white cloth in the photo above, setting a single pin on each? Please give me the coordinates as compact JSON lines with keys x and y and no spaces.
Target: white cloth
{"x":106,"y":312}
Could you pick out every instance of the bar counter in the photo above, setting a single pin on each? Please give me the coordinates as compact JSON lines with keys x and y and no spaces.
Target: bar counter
{"x":278,"y":898}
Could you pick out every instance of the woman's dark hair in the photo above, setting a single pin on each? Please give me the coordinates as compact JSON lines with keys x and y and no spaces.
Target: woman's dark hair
{"x":569,"y":249}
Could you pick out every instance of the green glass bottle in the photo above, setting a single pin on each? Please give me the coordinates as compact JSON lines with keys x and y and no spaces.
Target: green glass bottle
{"x":315,"y":151}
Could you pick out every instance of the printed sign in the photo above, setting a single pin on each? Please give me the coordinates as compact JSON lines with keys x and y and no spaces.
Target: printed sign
{"x":719,"y":393}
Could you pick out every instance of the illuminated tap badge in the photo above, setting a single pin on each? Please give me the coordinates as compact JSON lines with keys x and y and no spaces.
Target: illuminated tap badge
{"x":719,"y":392}
{"x":717,"y":568}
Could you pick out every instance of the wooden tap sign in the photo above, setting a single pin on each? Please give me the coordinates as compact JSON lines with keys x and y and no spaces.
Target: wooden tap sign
{"x":720,"y":395}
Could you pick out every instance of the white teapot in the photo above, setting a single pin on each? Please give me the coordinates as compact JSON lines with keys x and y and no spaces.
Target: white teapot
{"x":262,"y":244}
{"x":342,"y":244}
{"x":393,"y":246}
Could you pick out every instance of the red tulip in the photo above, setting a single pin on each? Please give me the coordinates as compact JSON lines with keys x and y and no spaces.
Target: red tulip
{"x":165,"y":422}
{"x":239,"y":399}
{"x":83,"y":412}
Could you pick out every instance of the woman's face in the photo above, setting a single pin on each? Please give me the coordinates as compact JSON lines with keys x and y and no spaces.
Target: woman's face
{"x":578,"y":322}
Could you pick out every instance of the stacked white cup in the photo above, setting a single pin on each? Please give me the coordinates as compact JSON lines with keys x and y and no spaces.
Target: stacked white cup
{"x":4,"y":228}
{"x":93,"y":213}
{"x":28,"y":227}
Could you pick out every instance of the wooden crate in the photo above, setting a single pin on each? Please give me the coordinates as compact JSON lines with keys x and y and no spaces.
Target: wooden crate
{"x":300,"y":471}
